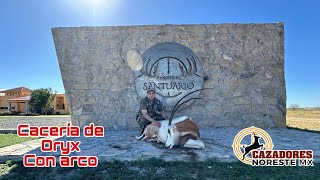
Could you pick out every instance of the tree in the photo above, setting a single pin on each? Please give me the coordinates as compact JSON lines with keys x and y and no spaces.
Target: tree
{"x":41,"y":99}
{"x":294,"y":106}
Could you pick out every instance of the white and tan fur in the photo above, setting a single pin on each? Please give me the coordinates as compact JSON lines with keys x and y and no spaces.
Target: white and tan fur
{"x":183,"y":132}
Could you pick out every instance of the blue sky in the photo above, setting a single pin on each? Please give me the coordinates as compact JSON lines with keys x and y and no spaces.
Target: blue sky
{"x":27,"y":54}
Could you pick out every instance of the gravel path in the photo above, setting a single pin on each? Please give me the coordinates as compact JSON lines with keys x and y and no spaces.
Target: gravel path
{"x":12,"y":122}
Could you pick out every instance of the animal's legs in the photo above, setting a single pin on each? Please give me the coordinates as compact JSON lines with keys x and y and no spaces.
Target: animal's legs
{"x":191,"y":143}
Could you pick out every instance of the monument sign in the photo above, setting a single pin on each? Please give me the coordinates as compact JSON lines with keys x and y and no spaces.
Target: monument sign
{"x":107,"y":70}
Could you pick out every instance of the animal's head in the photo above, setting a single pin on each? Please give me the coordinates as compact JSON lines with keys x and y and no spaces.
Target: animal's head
{"x":151,"y":130}
{"x":256,"y":137}
{"x":173,"y":136}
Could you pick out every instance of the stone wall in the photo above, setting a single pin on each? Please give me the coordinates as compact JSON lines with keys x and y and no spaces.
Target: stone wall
{"x":243,"y":63}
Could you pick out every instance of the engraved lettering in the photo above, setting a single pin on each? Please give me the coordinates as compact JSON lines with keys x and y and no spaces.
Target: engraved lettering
{"x":190,"y":85}
{"x":171,"y":85}
{"x":145,"y":86}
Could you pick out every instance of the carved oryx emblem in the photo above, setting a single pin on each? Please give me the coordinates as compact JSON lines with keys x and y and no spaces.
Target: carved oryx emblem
{"x":173,"y":70}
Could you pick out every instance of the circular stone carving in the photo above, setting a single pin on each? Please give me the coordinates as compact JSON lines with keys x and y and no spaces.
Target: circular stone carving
{"x":173,"y":70}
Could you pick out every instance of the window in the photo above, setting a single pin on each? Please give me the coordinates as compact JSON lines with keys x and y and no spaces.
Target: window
{"x":4,"y":108}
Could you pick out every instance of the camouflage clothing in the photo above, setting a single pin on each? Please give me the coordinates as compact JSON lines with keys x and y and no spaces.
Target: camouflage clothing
{"x":154,"y":109}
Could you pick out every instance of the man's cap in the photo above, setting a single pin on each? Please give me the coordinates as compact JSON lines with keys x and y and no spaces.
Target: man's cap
{"x":151,"y":89}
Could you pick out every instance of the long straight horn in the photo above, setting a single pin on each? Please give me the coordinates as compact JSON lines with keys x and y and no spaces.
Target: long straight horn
{"x":175,"y":106}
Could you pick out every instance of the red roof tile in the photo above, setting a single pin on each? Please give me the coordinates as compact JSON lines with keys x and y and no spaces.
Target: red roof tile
{"x":18,"y":89}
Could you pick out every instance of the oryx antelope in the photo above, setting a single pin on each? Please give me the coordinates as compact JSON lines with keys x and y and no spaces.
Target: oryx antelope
{"x":183,"y":132}
{"x":180,"y":131}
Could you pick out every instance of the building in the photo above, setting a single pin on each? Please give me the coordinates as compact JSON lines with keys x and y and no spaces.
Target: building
{"x":18,"y":99}
{"x":15,"y":99}
{"x":60,"y":104}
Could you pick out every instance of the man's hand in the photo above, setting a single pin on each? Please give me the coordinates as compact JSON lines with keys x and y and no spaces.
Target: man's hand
{"x":153,"y":122}
{"x":156,"y":123}
{"x":163,"y":114}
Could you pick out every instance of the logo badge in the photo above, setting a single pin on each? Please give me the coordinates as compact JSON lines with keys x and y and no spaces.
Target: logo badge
{"x":249,"y":139}
{"x":253,"y":146}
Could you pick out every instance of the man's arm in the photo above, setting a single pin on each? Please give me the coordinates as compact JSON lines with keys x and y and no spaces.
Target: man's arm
{"x":160,"y":108}
{"x":163,"y":114}
{"x":146,"y":115}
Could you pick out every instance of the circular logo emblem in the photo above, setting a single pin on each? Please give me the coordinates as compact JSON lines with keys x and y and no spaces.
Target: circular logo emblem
{"x":173,"y":70}
{"x":249,"y":139}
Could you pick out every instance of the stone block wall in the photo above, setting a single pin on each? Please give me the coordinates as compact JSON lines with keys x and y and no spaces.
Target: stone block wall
{"x":243,"y":63}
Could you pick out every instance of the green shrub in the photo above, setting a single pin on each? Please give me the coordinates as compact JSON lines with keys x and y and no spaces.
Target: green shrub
{"x":8,"y":113}
{"x":28,"y":114}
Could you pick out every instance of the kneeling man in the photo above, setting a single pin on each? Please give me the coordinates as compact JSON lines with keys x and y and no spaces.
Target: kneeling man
{"x":151,"y":111}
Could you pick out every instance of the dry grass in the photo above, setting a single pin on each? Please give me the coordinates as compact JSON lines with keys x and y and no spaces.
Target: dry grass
{"x":304,"y":119}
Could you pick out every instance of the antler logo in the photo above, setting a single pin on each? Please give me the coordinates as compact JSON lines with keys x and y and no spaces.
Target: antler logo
{"x":173,"y":70}
{"x":260,"y":140}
